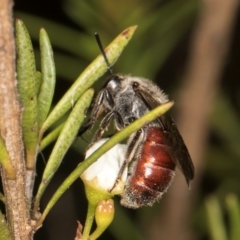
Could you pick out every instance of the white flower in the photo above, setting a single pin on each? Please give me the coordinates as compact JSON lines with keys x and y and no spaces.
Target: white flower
{"x":103,"y":173}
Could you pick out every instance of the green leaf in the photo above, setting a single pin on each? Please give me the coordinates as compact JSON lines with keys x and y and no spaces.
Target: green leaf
{"x":38,"y":77}
{"x":6,"y":162}
{"x":47,"y":88}
{"x":51,"y":137}
{"x":216,"y":224}
{"x":234,"y":216}
{"x":27,"y":87}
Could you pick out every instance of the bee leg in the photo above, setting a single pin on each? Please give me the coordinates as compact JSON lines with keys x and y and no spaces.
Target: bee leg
{"x":99,"y":107}
{"x":134,"y":143}
{"x":104,"y":125}
{"x":84,"y":128}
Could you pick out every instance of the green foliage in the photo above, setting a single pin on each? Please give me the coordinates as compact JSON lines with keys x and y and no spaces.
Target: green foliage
{"x":5,"y":161}
{"x":216,"y":218}
{"x":5,"y":234}
{"x":64,"y":141}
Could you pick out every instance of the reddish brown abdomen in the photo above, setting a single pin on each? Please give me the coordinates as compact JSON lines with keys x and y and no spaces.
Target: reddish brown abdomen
{"x":152,"y":172}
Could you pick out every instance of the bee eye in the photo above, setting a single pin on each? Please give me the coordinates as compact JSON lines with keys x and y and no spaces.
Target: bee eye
{"x":135,"y":85}
{"x":113,"y":80}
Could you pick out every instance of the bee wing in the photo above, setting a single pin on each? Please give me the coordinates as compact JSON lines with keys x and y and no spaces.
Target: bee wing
{"x":174,"y":139}
{"x":179,"y":149}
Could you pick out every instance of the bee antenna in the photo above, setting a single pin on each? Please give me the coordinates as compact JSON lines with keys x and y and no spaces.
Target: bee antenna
{"x":103,"y":52}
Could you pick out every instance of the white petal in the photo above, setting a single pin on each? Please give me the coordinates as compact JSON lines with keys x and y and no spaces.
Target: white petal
{"x":107,"y":167}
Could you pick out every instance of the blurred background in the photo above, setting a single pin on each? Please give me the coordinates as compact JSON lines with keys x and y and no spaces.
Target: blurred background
{"x":191,"y":50}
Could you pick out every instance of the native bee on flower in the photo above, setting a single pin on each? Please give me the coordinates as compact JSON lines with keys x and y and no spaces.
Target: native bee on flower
{"x":154,"y":151}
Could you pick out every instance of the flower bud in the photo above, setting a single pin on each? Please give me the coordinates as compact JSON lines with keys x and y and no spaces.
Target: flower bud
{"x":103,"y":216}
{"x":104,"y":213}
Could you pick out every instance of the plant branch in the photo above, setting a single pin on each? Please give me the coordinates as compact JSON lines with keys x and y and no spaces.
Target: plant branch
{"x":17,"y":207}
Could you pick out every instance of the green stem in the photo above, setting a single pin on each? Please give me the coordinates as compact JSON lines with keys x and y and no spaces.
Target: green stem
{"x":97,"y":233}
{"x":89,"y":221}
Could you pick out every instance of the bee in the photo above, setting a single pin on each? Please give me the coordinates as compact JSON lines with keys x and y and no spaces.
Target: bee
{"x":154,"y":151}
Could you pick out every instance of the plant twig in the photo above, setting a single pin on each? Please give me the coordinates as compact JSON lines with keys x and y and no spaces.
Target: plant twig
{"x":10,"y":129}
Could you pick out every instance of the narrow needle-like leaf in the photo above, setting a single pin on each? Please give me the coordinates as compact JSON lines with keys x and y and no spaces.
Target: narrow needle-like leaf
{"x":215,"y":219}
{"x":64,"y":141}
{"x":233,"y":207}
{"x":27,"y":87}
{"x":52,"y":136}
{"x":38,"y":77}
{"x":47,"y":87}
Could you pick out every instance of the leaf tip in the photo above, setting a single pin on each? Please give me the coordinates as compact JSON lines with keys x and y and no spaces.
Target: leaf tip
{"x":129,"y":31}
